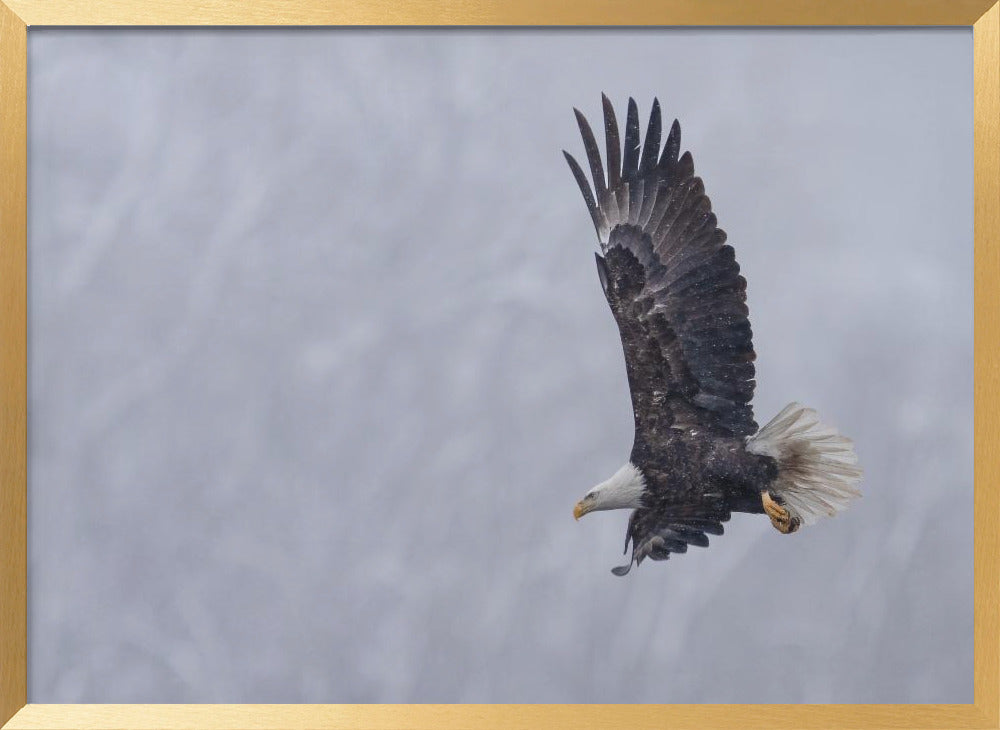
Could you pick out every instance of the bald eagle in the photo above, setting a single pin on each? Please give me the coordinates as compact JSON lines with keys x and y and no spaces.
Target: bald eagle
{"x":676,"y":293}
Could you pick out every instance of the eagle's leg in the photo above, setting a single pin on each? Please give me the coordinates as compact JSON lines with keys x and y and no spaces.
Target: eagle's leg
{"x":780,"y":517}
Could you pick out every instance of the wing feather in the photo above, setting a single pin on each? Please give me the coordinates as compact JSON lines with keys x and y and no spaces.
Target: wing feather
{"x":613,"y":144}
{"x":593,"y":156}
{"x":596,"y":213}
{"x":651,"y":149}
{"x":630,"y":164}
{"x":672,"y":147}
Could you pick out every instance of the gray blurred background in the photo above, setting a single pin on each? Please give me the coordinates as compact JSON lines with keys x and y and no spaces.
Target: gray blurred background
{"x":319,"y":364}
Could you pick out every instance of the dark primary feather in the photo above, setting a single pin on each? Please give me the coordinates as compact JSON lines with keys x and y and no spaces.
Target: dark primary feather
{"x":675,"y":290}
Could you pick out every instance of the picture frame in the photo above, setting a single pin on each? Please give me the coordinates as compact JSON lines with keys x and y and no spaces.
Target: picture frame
{"x":17,"y":17}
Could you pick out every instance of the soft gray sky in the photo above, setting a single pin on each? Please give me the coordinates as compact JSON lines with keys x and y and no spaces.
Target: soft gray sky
{"x":319,"y":364}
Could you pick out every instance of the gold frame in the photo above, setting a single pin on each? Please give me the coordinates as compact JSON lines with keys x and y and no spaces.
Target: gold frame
{"x":16,"y":16}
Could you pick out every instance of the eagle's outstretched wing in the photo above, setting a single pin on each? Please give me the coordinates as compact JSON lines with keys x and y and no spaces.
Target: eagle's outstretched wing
{"x":672,"y":282}
{"x":655,"y":536}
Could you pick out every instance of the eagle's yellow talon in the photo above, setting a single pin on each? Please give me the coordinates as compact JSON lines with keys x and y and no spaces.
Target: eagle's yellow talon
{"x":780,"y":517}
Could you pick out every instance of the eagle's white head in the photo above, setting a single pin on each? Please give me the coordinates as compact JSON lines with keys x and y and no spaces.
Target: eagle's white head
{"x":622,"y":491}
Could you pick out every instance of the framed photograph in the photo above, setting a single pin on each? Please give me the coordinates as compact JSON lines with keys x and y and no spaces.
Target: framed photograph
{"x":320,"y":324}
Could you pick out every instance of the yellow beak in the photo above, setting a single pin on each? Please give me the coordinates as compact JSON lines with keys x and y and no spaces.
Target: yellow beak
{"x":579,"y":510}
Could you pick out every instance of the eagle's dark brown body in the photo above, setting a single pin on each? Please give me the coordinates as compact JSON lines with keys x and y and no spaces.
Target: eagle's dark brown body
{"x":689,"y":441}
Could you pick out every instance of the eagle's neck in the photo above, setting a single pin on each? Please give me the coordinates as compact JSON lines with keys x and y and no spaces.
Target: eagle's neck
{"x":623,"y":490}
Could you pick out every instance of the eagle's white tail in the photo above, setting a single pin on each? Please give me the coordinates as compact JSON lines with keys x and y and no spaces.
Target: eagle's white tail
{"x":818,"y":472}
